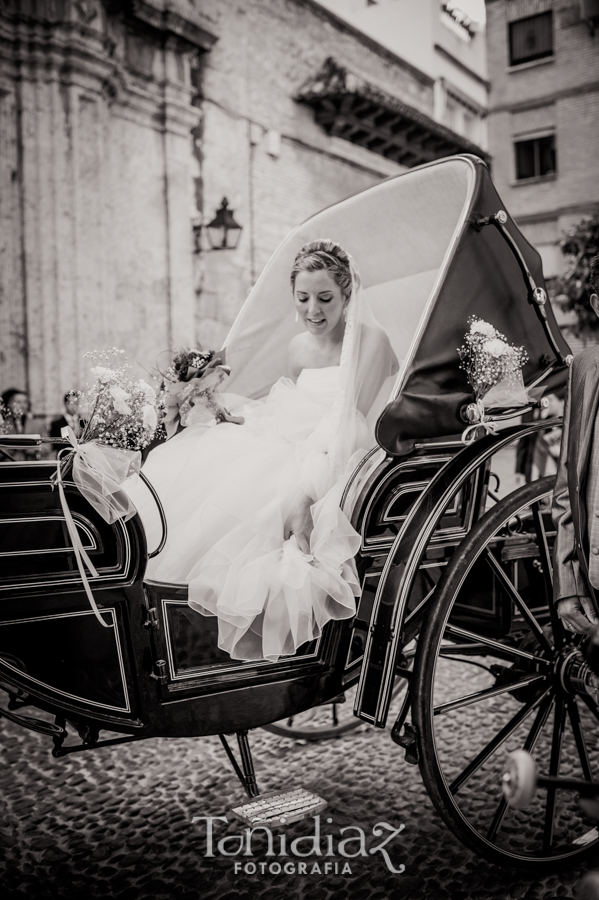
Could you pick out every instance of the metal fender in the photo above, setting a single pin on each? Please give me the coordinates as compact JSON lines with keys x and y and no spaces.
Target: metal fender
{"x":385,"y":634}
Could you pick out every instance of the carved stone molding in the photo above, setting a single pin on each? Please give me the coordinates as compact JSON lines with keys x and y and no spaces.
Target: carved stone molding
{"x":87,"y":10}
{"x":114,"y":86}
{"x":171,"y":17}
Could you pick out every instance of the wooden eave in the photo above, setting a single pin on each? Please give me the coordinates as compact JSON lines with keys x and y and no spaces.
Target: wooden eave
{"x":349,"y":107}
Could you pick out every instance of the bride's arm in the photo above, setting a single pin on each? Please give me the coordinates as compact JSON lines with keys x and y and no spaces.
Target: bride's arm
{"x":295,"y":354}
{"x":299,"y":522}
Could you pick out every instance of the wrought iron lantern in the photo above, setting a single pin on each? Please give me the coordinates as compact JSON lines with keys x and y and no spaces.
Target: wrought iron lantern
{"x":223,"y":232}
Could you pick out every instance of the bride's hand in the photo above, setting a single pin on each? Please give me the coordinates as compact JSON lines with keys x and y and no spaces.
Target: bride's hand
{"x":227,"y":417}
{"x":300,"y":524}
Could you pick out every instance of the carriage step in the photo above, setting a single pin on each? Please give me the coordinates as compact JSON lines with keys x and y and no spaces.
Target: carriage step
{"x":279,"y":807}
{"x":408,"y":739}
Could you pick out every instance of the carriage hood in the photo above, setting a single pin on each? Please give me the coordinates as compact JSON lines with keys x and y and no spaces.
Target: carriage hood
{"x":425,"y":269}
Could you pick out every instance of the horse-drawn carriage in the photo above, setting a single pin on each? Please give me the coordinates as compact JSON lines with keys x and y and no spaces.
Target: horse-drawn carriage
{"x":456,"y":600}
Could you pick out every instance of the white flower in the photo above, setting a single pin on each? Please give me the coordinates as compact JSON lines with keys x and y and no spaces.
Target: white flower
{"x":103,"y":374}
{"x":119,"y":393}
{"x":496,"y":347}
{"x":146,"y":389}
{"x":123,"y":408}
{"x":150,"y":419}
{"x":482,"y":327}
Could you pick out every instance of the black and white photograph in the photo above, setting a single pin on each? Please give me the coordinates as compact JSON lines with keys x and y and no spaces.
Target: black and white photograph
{"x":299,"y":449}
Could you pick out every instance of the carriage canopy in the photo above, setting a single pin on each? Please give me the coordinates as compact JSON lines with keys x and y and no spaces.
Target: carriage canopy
{"x":425,"y":269}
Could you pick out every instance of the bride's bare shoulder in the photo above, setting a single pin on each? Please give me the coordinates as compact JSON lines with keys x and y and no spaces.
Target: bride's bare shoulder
{"x":375,"y":341}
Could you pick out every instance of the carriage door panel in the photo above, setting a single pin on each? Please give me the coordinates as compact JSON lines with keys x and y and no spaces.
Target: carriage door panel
{"x":51,"y":644}
{"x":187,"y":658}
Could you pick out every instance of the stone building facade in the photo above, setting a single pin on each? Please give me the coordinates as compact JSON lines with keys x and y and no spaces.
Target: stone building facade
{"x":543,"y":58}
{"x":442,"y":41}
{"x":122,"y":127}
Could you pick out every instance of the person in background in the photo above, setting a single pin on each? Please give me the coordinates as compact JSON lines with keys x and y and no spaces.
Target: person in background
{"x":70,"y":417}
{"x":16,"y":417}
{"x":17,"y":410}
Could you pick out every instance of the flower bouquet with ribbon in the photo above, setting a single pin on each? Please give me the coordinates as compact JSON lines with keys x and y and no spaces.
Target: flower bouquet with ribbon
{"x":494,"y":369}
{"x":122,"y":417}
{"x":190,"y":382}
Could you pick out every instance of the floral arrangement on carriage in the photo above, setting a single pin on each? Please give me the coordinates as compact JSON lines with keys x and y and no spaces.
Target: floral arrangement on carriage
{"x":122,"y":417}
{"x":494,"y":369}
{"x":190,"y":382}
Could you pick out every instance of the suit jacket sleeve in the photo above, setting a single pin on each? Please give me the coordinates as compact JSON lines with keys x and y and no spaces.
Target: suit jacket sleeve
{"x":56,"y":425}
{"x":568,"y":579}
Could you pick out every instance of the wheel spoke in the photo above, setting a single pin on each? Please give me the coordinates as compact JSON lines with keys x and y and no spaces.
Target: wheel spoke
{"x":496,"y":742}
{"x":556,"y":754}
{"x":497,"y":819}
{"x":469,"y":699}
{"x":531,"y":740}
{"x":581,"y":746}
{"x":558,"y":628}
{"x":415,"y":612}
{"x":543,"y":548}
{"x":518,"y":601}
{"x":496,"y":645}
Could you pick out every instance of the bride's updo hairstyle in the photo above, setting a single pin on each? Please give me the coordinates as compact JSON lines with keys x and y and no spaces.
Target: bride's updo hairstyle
{"x":325,"y":254}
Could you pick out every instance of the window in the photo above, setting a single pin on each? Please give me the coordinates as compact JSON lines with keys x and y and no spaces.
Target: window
{"x":535,"y":158}
{"x":531,"y":38}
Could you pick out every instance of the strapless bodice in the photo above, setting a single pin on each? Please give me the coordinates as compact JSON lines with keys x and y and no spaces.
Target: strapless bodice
{"x":320,"y":384}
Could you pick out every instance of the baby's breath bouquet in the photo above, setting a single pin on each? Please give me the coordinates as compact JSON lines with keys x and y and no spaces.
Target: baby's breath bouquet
{"x":123,"y":412}
{"x":191,"y":381}
{"x":493,"y":367}
{"x":122,"y":416}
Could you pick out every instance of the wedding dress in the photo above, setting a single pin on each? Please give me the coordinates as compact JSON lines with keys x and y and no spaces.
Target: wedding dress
{"x":227,"y":491}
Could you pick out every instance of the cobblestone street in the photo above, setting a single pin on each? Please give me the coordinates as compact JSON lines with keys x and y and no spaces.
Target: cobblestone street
{"x":116,"y":823}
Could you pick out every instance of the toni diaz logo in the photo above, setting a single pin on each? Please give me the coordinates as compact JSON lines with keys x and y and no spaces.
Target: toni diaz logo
{"x":321,"y":853}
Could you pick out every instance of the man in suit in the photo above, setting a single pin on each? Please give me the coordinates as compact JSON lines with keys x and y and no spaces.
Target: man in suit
{"x":576,"y":496}
{"x":70,"y":417}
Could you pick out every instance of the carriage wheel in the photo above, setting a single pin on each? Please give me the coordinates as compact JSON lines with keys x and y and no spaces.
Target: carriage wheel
{"x":496,"y":672}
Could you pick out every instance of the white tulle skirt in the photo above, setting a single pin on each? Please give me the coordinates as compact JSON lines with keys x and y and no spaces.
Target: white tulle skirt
{"x":227,"y":491}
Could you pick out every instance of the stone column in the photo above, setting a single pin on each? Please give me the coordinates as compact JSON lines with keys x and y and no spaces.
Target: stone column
{"x":95,"y":185}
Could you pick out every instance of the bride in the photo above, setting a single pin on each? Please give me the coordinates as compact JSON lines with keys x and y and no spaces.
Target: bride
{"x":255,"y":527}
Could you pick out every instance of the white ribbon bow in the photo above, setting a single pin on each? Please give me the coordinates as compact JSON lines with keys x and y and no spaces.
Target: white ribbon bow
{"x":99,"y":472}
{"x":469,"y":433}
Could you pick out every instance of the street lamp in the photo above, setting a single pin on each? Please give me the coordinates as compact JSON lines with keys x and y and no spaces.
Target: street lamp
{"x":223,"y":231}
